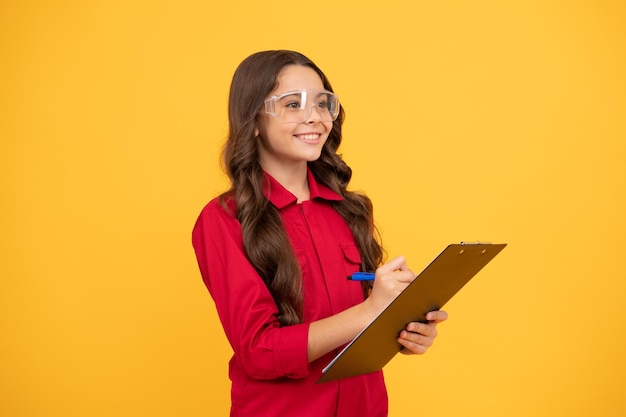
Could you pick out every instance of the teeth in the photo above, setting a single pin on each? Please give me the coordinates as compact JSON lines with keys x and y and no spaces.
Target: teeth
{"x":309,"y":137}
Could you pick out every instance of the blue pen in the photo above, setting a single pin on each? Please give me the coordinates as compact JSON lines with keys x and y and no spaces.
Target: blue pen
{"x":362,"y":276}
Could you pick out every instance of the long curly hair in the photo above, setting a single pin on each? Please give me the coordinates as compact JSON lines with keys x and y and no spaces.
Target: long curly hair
{"x":265,"y":239}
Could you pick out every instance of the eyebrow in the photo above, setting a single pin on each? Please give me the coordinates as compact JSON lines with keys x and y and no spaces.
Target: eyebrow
{"x":297,"y":92}
{"x":287,"y":94}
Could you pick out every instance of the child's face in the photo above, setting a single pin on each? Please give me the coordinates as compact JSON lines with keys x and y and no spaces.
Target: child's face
{"x":288,"y":144}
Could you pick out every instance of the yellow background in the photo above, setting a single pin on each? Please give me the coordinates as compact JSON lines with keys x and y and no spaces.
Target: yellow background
{"x":466,"y":120}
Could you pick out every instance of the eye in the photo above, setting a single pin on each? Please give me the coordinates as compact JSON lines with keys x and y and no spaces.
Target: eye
{"x":322,"y":104}
{"x":292,"y":105}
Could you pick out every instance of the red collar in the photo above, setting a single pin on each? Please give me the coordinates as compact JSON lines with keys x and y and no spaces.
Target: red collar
{"x":280,"y":197}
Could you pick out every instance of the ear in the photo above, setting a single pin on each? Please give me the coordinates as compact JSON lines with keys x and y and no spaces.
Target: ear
{"x":256,"y":132}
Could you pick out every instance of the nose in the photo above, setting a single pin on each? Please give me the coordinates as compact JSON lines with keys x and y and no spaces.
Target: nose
{"x":313,"y":115}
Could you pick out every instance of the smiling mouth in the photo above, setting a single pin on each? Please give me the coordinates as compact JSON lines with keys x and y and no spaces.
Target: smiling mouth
{"x":309,"y":136}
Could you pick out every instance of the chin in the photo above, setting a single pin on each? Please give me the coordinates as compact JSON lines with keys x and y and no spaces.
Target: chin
{"x":313,"y":157}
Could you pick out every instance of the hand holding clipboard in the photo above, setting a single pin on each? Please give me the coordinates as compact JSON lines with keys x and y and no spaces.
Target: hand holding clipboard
{"x":376,"y":345}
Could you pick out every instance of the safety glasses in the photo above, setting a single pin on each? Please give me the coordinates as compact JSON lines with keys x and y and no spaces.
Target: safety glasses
{"x":298,"y":106}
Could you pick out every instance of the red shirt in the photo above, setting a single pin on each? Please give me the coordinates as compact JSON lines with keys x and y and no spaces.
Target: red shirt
{"x":269,"y":370}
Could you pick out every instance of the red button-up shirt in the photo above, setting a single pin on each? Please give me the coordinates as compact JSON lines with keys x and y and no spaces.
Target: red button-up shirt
{"x":269,"y":370}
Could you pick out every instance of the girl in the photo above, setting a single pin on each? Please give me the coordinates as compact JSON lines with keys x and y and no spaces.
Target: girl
{"x":276,"y":248}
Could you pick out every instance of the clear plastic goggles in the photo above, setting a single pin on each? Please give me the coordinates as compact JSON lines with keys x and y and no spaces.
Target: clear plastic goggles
{"x":297,"y":106}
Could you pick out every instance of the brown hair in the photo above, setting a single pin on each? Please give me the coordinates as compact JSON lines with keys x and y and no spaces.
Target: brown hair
{"x":265,"y":240}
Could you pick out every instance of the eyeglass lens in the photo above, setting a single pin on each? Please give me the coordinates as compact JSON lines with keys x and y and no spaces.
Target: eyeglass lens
{"x":298,"y":106}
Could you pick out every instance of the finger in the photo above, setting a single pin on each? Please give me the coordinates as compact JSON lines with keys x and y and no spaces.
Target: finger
{"x":436,"y":316}
{"x":412,"y":349}
{"x":396,"y":264}
{"x":415,"y":343}
{"x":428,"y":330}
{"x":417,"y":338}
{"x":404,"y":276}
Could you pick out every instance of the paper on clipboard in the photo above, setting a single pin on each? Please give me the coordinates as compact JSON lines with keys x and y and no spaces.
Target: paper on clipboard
{"x":376,"y":345}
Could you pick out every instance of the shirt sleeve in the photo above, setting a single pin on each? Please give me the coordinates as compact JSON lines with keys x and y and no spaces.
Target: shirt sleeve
{"x":244,"y":304}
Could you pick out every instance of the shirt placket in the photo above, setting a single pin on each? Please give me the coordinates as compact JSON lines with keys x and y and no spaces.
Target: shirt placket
{"x":329,"y":255}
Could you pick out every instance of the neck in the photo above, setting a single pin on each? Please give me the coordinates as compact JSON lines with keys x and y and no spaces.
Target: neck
{"x":294,"y":179}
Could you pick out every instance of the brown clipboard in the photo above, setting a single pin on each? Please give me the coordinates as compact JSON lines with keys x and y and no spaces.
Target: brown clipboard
{"x":376,"y":345}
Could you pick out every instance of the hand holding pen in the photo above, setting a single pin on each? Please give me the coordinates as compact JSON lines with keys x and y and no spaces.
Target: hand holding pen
{"x":390,"y":279}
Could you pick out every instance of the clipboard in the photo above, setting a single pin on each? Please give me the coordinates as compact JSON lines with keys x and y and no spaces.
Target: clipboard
{"x":376,"y":345}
